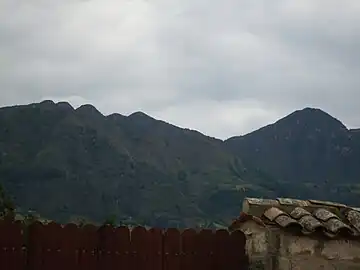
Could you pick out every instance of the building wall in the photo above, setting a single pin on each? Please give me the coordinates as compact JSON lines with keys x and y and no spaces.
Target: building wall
{"x":272,"y":249}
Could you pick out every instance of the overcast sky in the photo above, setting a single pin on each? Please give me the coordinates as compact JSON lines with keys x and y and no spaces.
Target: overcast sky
{"x":222,"y":67}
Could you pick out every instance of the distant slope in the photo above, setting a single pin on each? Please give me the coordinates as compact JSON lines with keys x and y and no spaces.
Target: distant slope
{"x":64,"y":162}
{"x":307,"y":146}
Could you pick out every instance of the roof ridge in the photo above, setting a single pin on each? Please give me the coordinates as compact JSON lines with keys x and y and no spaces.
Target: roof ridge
{"x":305,"y":216}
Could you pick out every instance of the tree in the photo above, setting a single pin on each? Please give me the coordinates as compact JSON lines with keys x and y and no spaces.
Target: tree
{"x":111,"y":220}
{"x":6,"y":205}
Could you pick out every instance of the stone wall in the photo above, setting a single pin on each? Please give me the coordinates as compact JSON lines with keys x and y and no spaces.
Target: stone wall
{"x":272,"y":249}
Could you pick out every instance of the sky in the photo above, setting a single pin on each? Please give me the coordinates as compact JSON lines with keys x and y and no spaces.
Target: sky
{"x":224,"y":68}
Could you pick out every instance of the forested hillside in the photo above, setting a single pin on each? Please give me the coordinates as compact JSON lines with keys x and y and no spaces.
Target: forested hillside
{"x":65,"y":163}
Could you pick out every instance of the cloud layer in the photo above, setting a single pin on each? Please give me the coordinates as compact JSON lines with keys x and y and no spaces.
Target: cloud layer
{"x":221,"y":67}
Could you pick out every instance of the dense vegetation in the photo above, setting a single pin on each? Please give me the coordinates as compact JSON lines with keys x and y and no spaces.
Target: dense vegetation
{"x":310,"y":154}
{"x":72,"y":164}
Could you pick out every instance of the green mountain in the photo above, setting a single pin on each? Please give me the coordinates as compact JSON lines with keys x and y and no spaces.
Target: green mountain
{"x":66,"y":163}
{"x":308,"y":148}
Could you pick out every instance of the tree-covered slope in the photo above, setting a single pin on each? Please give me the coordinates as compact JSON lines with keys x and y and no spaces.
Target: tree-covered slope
{"x":66,"y":163}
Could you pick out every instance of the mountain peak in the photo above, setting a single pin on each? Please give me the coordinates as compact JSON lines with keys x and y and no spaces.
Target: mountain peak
{"x":64,"y":105}
{"x":304,"y":122}
{"x":46,"y":104}
{"x":311,"y":118}
{"x":115,"y":116}
{"x":142,"y":120}
{"x":311,"y":111}
{"x":88,"y":109}
{"x":140,"y":115}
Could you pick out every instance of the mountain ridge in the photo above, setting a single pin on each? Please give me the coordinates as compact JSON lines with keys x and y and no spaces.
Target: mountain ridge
{"x":67,"y":105}
{"x":308,"y":144}
{"x":83,"y":163}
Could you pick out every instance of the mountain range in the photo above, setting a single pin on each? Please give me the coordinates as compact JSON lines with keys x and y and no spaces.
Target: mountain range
{"x":67,"y":163}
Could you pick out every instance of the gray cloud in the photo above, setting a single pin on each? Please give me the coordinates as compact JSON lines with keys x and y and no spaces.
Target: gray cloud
{"x":224,"y":68}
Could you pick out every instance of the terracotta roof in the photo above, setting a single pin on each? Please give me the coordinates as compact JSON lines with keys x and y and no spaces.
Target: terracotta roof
{"x":305,"y":217}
